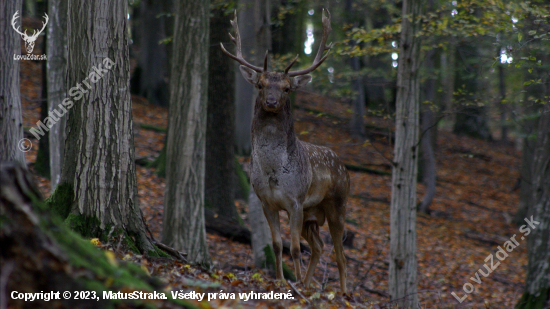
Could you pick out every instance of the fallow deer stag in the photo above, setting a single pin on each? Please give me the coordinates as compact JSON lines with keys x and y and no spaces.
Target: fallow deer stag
{"x":309,"y":182}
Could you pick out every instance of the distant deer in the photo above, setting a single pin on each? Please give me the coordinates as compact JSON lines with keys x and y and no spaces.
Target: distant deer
{"x":309,"y":182}
{"x":29,"y":40}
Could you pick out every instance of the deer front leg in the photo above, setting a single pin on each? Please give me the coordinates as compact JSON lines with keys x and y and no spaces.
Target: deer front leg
{"x":296,"y":222}
{"x":272,"y":217}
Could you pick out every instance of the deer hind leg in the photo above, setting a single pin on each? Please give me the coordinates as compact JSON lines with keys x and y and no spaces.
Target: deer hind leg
{"x":336,"y":219}
{"x":310,"y":232}
{"x":296,"y":216}
{"x":272,"y":217}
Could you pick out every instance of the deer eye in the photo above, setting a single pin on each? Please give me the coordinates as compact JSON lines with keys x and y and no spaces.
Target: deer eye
{"x":287,"y":90}
{"x":259,"y":86}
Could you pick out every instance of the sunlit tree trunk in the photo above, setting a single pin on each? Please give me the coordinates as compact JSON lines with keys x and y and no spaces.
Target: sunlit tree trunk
{"x":57,"y":91}
{"x":185,"y":152}
{"x":403,"y":263}
{"x":11,"y":122}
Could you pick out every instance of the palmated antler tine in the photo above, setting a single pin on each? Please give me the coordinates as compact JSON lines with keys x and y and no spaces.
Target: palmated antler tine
{"x":319,"y":58}
{"x":237,"y":41}
{"x":291,"y":64}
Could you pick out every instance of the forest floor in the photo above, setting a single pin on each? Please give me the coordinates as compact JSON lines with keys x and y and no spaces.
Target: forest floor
{"x":471,"y":215}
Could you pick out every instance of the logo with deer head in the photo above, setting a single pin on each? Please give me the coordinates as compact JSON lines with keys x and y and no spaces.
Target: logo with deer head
{"x":29,"y":39}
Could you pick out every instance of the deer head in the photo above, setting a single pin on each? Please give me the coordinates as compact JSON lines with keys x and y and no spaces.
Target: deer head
{"x":29,"y":40}
{"x":274,"y":87}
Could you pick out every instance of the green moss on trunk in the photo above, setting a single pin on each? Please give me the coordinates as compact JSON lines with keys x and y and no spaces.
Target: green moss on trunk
{"x":60,"y":201}
{"x":243,"y":183}
{"x":270,"y":263}
{"x":160,"y":162}
{"x":529,"y":301}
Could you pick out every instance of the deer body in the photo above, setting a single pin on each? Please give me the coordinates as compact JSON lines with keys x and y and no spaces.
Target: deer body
{"x":307,"y":181}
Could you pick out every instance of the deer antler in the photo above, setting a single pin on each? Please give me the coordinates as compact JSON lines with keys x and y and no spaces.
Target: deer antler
{"x":319,"y":58}
{"x":36,"y":34}
{"x":237,"y":41}
{"x":13,"y":24}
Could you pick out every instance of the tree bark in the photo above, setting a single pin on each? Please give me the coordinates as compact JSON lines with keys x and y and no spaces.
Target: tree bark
{"x":185,"y":154}
{"x":98,"y":179}
{"x":11,"y":121}
{"x":56,"y":71}
{"x":403,"y":262}
{"x":254,"y":24}
{"x":220,"y":130}
{"x":537,"y":284}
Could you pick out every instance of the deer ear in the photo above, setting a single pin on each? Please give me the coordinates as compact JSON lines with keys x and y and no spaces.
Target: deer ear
{"x":300,"y":81}
{"x":250,"y":75}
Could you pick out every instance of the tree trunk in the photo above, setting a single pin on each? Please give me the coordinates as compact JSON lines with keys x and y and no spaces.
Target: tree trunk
{"x":358,"y":117}
{"x":11,"y":121}
{"x":471,"y":118}
{"x":537,"y":284}
{"x":220,"y":134}
{"x":42,"y":162}
{"x":185,"y":152}
{"x":502,"y":104}
{"x":152,"y":54}
{"x":261,"y":234}
{"x":254,"y":24}
{"x":56,"y":70}
{"x":97,"y":189}
{"x":529,"y":125}
{"x":428,"y":126}
{"x":403,"y":263}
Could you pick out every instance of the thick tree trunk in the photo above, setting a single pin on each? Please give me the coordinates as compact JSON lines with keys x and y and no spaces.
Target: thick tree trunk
{"x":254,"y":25}
{"x":153,"y":59}
{"x":403,"y":262}
{"x":98,"y":180}
{"x":185,"y":154}
{"x":11,"y":121}
{"x":56,"y":71}
{"x":220,"y":130}
{"x":537,"y":284}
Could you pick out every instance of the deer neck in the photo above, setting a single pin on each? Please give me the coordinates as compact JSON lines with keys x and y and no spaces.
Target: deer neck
{"x":273,"y":131}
